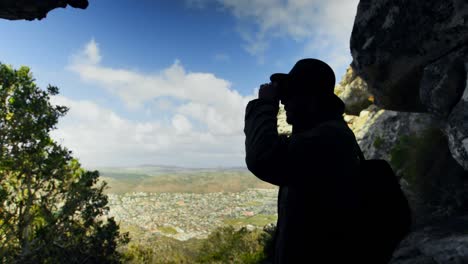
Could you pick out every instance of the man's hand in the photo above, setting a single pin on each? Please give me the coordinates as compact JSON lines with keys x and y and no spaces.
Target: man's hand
{"x":269,"y":91}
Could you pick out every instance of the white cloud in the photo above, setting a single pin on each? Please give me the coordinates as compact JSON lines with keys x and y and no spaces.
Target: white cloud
{"x":89,"y":55}
{"x":208,"y":99}
{"x":99,"y":137}
{"x":164,"y":104}
{"x":181,"y":124}
{"x":205,"y":127}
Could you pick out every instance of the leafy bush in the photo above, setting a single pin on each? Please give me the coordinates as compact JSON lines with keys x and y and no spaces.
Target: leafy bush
{"x":224,"y":245}
{"x":227,"y":245}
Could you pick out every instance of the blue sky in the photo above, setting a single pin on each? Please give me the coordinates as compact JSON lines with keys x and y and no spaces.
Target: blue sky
{"x":166,"y":82}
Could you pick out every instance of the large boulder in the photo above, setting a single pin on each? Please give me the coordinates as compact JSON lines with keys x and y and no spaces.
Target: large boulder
{"x":34,"y":9}
{"x":413,"y":56}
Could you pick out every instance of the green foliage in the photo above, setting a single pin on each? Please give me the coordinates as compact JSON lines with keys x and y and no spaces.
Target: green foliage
{"x":227,"y":245}
{"x":161,"y":250}
{"x":52,"y":210}
{"x":139,"y":254}
{"x":224,"y":245}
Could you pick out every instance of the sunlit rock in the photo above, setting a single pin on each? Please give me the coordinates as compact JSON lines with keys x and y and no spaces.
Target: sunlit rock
{"x":353,"y":91}
{"x":283,"y":127}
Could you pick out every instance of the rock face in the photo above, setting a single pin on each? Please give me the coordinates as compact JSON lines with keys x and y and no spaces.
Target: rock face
{"x":34,"y":9}
{"x":354,"y":93}
{"x":413,"y":56}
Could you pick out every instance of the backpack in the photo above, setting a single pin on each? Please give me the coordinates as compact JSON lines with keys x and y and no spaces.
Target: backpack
{"x":385,"y":212}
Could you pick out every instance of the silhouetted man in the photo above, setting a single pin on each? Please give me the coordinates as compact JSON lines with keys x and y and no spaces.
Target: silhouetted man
{"x":314,"y":167}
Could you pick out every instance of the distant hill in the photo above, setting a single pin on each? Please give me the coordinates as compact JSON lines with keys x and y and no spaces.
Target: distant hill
{"x":178,"y":179}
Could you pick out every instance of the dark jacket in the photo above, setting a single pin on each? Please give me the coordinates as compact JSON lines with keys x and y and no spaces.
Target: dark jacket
{"x":314,"y":170}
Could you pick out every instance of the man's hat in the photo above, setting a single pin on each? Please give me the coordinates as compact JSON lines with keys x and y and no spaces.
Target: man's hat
{"x":308,"y":77}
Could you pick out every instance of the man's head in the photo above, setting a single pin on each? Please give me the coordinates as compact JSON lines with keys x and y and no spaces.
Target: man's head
{"x":307,"y":90}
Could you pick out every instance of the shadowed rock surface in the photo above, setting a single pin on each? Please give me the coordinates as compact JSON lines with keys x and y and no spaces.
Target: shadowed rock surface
{"x":443,"y":242}
{"x":394,"y":40}
{"x":413,"y":57}
{"x":34,"y":9}
{"x":443,"y":82}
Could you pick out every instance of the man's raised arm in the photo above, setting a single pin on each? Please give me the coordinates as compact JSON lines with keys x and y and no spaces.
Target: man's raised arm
{"x":266,"y":151}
